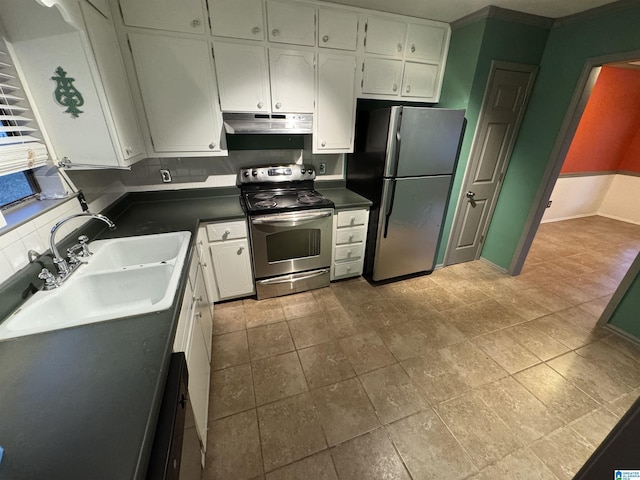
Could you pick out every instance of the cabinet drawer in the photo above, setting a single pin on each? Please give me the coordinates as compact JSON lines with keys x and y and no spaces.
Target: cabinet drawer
{"x":226,"y":231}
{"x":348,"y":252}
{"x":348,"y":269}
{"x":350,"y":218}
{"x":350,"y":235}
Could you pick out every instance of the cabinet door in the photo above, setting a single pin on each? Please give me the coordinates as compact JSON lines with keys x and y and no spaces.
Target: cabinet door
{"x":232,"y":266}
{"x":292,"y":81}
{"x":202,"y":312}
{"x":337,"y":29}
{"x":419,"y":80}
{"x":291,"y":23}
{"x":199,"y":372}
{"x":382,"y":76}
{"x":335,"y":109}
{"x":237,"y":18}
{"x":102,"y":35}
{"x":179,"y":92}
{"x":174,"y":15}
{"x":425,"y":42}
{"x":243,"y":77}
{"x":385,"y":36}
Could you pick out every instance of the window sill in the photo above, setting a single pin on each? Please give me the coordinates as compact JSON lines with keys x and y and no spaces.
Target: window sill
{"x":25,"y":212}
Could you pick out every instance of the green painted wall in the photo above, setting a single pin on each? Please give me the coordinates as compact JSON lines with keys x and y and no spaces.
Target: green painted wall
{"x":472,"y":49}
{"x":566,"y":51}
{"x":627,"y":314}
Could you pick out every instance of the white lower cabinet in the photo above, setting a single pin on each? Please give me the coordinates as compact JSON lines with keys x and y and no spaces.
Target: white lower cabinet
{"x":230,"y":259}
{"x":349,"y":240}
{"x":193,"y":337}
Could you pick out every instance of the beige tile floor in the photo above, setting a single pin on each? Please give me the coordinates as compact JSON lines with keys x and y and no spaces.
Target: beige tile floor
{"x":465,"y":373}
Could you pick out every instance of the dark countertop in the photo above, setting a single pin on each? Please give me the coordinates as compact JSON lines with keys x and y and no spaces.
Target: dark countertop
{"x":82,"y":402}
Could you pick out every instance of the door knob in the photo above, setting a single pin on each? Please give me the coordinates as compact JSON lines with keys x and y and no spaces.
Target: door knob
{"x":278,"y":105}
{"x":195,"y":23}
{"x":275,"y":32}
{"x":255,"y":30}
{"x":260,"y":105}
{"x":470,"y":194}
{"x":413,"y":48}
{"x":399,"y":47}
{"x":325,"y":39}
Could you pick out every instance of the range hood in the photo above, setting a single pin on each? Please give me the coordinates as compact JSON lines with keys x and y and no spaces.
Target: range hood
{"x":290,"y":123}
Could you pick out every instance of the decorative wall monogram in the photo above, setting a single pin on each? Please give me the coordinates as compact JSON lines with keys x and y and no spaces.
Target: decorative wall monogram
{"x":66,"y":94}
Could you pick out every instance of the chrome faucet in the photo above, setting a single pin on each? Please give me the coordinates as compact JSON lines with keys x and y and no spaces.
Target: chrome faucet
{"x":66,"y":266}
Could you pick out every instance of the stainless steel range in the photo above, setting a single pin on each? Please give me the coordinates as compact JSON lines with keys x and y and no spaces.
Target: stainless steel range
{"x":290,"y":226}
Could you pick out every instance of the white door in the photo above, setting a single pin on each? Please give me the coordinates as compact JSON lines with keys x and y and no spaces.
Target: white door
{"x":237,"y":18}
{"x":174,"y":15}
{"x":292,"y":80}
{"x":335,"y":109}
{"x":382,"y":76}
{"x":203,"y":312}
{"x":232,"y":266}
{"x":385,"y":36}
{"x":243,"y":77}
{"x":337,"y":29}
{"x":178,"y":91}
{"x":503,"y":106}
{"x":419,"y":80}
{"x":425,"y":42}
{"x":199,"y":373}
{"x":105,"y":47}
{"x":291,"y":23}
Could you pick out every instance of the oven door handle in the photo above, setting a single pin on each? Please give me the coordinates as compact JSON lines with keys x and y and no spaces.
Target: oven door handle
{"x":289,"y":279}
{"x":292,"y":220}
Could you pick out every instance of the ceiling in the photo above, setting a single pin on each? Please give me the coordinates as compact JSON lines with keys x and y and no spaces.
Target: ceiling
{"x":450,"y":10}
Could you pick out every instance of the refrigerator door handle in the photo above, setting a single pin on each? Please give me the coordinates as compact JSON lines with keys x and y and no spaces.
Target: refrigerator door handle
{"x":389,"y":208}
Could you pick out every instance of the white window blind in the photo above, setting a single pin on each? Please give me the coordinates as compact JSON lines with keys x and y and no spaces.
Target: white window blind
{"x":21,"y":145}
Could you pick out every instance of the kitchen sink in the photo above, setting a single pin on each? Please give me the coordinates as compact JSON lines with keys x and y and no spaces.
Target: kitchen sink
{"x":124,"y":277}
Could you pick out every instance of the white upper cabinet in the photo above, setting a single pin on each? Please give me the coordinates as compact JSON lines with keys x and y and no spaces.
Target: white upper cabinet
{"x":186,"y":16}
{"x":425,"y":42}
{"x":71,"y":64}
{"x":419,"y":80}
{"x":179,"y":93}
{"x":382,"y":76}
{"x":385,"y":36}
{"x":337,"y":29}
{"x":292,"y":81}
{"x":243,"y":77}
{"x":114,"y":78}
{"x":237,"y":18}
{"x":293,"y":23}
{"x":335,"y":110}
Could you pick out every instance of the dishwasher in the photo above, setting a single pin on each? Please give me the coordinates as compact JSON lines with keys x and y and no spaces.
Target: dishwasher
{"x":175,"y":454}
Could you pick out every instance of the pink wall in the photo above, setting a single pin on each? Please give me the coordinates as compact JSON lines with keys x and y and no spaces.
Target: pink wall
{"x":608,"y":136}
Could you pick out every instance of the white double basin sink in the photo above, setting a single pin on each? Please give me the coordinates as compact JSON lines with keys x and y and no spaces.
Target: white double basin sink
{"x":124,"y":277}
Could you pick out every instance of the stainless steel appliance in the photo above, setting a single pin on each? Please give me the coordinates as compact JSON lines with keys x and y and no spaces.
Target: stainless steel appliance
{"x":290,"y":225}
{"x":406,"y":169}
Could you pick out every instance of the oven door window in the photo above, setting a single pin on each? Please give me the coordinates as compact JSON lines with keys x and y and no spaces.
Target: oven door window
{"x":292,"y":244}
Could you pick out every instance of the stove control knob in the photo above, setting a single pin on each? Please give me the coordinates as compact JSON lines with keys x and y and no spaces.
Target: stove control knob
{"x":310,"y":171}
{"x":246,"y":173}
{"x":302,"y":171}
{"x":254,"y":173}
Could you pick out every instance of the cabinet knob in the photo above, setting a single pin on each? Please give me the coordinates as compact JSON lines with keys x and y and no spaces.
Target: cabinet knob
{"x":275,"y":32}
{"x":278,"y":105}
{"x":408,"y":89}
{"x":255,"y":30}
{"x":395,"y":87}
{"x":348,"y":253}
{"x":198,"y":314}
{"x":195,"y":23}
{"x":348,"y":269}
{"x":129,"y":150}
{"x":399,"y":47}
{"x":260,"y":105}
{"x":227,"y":232}
{"x":212,"y":145}
{"x":240,"y":248}
{"x":353,"y":219}
{"x":204,"y":264}
{"x":323,"y":144}
{"x":325,"y":39}
{"x":413,"y":48}
{"x":351,"y":237}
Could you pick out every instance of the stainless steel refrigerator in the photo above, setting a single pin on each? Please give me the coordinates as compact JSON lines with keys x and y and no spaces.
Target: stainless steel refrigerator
{"x":405,"y":167}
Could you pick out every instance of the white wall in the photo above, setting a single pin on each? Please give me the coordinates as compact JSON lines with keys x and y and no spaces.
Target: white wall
{"x":622,"y":202}
{"x":575,"y":197}
{"x":615,"y":195}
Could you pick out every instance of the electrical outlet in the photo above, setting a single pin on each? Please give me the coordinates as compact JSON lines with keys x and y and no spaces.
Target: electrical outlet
{"x":323,"y":169}
{"x":166,"y":176}
{"x":548,"y":203}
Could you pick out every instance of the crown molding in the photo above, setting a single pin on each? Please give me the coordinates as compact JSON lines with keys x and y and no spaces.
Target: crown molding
{"x":504,"y":14}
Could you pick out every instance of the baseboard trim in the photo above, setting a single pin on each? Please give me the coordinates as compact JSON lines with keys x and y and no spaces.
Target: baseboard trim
{"x":615,"y":217}
{"x":571,"y":217}
{"x":497,"y":267}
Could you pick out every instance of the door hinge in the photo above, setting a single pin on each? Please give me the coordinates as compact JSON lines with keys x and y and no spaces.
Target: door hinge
{"x":362,"y":83}
{"x":362,"y":66}
{"x":481,"y":239}
{"x":129,"y":43}
{"x":501,"y":176}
